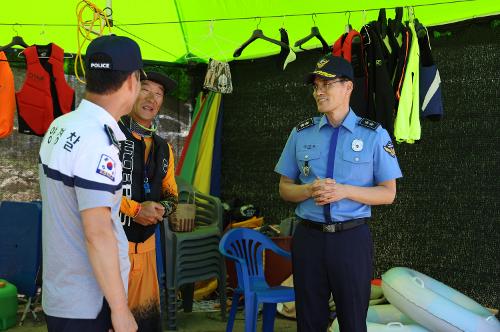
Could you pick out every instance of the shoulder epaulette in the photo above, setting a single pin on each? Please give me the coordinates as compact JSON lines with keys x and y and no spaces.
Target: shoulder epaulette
{"x":369,"y":123}
{"x":111,"y":136}
{"x":305,"y":124}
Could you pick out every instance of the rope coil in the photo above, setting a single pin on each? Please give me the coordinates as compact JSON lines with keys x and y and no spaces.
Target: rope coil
{"x":85,"y":28}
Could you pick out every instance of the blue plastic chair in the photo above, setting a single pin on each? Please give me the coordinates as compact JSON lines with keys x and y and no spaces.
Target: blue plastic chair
{"x":246,"y":247}
{"x":21,"y":248}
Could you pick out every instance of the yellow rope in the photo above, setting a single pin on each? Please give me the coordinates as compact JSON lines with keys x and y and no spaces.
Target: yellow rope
{"x":86,"y":28}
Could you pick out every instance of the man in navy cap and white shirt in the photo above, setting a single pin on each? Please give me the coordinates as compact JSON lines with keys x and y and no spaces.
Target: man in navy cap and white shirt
{"x":335,"y":167}
{"x":85,"y":250}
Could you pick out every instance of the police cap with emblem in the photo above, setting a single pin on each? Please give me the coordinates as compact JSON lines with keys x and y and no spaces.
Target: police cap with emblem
{"x":166,"y":82}
{"x":114,"y":53}
{"x":330,"y":67}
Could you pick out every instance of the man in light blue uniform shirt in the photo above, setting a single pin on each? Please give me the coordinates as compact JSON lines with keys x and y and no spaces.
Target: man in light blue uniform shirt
{"x":335,"y":167}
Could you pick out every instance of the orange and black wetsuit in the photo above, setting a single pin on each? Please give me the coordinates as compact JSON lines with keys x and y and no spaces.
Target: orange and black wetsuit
{"x":146,"y":158}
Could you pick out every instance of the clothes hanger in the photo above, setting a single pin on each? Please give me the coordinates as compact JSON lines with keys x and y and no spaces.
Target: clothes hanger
{"x":366,"y":36}
{"x":411,"y":14}
{"x":348,"y":26}
{"x":216,"y":40}
{"x":16,"y":41}
{"x":257,"y":34}
{"x":382,"y":23}
{"x":42,"y":46}
{"x":397,"y":22}
{"x":43,"y":55}
{"x":419,"y":27}
{"x":313,"y":34}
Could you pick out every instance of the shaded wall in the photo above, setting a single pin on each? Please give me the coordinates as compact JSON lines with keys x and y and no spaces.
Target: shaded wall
{"x":19,"y":152}
{"x":445,"y":221}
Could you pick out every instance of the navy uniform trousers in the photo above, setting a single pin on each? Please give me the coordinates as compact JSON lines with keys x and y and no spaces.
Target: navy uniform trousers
{"x":332,"y":263}
{"x":102,"y":323}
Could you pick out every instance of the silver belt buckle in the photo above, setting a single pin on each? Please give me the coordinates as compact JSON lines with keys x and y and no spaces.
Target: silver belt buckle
{"x":330,"y":228}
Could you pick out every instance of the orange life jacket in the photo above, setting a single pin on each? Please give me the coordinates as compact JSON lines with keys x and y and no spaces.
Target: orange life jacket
{"x":45,"y":95}
{"x":7,"y":97}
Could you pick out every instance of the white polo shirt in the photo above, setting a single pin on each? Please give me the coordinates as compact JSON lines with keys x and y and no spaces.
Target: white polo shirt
{"x":79,"y":169}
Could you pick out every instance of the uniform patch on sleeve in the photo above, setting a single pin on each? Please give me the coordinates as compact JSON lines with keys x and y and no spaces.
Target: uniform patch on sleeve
{"x":305,"y":124}
{"x":107,"y":167}
{"x":112,"y":137}
{"x":389,"y":148}
{"x":368,"y":123}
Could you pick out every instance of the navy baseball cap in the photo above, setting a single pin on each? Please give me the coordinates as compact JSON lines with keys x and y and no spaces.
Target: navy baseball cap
{"x":165,"y":81}
{"x":113,"y":53}
{"x":330,"y":67}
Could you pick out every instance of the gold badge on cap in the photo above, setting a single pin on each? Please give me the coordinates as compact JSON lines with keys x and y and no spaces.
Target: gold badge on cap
{"x":321,"y":63}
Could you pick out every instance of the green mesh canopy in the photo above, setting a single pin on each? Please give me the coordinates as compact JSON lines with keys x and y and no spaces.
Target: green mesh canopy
{"x":193,"y":30}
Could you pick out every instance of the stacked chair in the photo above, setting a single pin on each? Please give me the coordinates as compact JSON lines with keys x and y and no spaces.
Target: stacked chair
{"x":194,"y":256}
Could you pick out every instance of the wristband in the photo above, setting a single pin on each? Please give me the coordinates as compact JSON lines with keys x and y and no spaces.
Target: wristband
{"x":137,"y":210}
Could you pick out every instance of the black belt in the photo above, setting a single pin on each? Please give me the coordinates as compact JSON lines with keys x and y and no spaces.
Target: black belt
{"x":334,"y":227}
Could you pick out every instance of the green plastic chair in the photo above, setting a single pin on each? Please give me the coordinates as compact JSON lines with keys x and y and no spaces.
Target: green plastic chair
{"x":194,"y":256}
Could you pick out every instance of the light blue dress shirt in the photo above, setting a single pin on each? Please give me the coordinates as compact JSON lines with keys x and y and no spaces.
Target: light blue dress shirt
{"x":364,"y":157}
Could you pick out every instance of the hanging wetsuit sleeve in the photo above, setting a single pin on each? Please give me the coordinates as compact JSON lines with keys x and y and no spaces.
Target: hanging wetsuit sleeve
{"x":169,"y":198}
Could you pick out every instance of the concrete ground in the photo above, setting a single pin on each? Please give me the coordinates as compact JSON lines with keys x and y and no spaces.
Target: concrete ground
{"x":186,"y":322}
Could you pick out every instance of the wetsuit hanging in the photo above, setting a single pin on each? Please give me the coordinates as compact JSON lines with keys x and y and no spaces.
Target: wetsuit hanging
{"x":380,"y":93}
{"x":407,"y":123}
{"x":431,"y":103}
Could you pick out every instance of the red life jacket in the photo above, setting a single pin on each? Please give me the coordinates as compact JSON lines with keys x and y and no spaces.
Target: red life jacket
{"x":350,"y":47}
{"x":7,"y":99}
{"x":45,"y":95}
{"x":343,"y":47}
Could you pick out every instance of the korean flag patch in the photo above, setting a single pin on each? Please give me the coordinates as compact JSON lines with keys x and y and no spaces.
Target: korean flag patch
{"x":107,"y":167}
